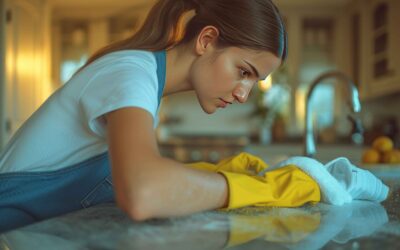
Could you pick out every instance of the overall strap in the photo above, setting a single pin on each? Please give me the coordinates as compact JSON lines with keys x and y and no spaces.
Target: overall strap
{"x":161,"y":59}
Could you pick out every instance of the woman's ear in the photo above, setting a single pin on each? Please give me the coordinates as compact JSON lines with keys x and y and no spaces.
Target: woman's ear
{"x":206,"y":39}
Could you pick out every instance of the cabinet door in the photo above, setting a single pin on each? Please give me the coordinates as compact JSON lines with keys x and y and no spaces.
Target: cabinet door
{"x":382,"y":71}
{"x":23,"y":46}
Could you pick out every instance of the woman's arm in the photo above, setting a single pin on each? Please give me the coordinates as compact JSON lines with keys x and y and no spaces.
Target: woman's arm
{"x":147,"y":185}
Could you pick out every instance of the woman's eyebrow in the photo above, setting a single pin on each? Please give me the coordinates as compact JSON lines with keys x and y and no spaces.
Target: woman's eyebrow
{"x":255,"y":71}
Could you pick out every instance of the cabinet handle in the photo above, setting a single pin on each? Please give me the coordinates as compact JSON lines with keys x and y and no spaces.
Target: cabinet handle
{"x":8,"y":125}
{"x":8,"y":16}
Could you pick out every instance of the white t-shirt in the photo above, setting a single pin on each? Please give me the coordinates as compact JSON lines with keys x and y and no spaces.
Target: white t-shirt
{"x":69,"y":127}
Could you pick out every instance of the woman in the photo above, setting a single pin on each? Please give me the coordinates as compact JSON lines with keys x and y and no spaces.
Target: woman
{"x":94,"y":137}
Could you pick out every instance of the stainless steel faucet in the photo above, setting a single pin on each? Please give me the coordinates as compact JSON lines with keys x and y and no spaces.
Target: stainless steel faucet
{"x":354,"y":102}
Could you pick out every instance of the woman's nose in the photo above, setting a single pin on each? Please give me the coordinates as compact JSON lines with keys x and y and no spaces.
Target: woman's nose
{"x":241,"y":94}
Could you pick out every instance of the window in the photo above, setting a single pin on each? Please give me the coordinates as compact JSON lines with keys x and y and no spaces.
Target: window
{"x":74,"y":47}
{"x":316,"y":59}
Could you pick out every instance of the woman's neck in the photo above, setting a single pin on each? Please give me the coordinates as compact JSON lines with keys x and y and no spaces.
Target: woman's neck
{"x":179,"y":61}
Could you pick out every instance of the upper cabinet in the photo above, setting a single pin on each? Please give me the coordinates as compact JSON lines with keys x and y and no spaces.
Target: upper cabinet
{"x":376,"y":46}
{"x":27,"y":62}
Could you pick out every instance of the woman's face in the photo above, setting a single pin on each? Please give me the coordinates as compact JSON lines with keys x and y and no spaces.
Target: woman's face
{"x":223,"y":77}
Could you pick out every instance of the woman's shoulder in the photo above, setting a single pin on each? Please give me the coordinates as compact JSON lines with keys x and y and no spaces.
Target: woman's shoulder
{"x":120,"y":63}
{"x":132,"y":57}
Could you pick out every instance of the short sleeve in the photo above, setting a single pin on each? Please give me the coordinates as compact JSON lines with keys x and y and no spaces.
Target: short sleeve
{"x":122,"y":84}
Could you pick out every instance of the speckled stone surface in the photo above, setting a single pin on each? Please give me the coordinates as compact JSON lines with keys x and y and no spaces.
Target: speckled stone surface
{"x":359,"y":225}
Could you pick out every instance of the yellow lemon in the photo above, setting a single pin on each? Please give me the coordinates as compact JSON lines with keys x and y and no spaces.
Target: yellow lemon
{"x":371,"y":156}
{"x":391,"y":157}
{"x":383,"y":144}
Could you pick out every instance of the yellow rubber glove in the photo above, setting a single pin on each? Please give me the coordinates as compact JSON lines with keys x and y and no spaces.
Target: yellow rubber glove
{"x":244,"y":163}
{"x":284,"y":187}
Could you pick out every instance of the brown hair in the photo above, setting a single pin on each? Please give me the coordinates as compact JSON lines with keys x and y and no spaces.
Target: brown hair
{"x":251,"y":24}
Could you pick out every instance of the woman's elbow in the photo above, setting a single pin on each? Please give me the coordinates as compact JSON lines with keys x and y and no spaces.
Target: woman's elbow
{"x":134,"y":205}
{"x":135,"y":188}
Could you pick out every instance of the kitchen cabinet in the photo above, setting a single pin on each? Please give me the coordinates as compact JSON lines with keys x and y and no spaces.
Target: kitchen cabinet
{"x":376,"y":45}
{"x":26,"y":46}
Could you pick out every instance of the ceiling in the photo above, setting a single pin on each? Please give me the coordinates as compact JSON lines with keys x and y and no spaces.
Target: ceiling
{"x":90,"y":9}
{"x":88,"y":3}
{"x":140,"y":2}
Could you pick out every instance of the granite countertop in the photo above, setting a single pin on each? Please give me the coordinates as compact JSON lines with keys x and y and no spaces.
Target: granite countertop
{"x":359,"y":225}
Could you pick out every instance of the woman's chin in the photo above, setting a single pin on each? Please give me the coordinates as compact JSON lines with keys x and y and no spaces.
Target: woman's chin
{"x":209,"y":109}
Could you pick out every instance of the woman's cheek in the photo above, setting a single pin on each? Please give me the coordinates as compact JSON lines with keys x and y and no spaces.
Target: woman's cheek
{"x":226,"y":74}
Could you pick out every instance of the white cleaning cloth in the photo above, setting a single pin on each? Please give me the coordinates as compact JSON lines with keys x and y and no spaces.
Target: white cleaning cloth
{"x":339,"y":181}
{"x":359,"y":183}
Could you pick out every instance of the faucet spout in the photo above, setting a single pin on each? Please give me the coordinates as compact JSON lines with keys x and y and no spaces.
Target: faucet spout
{"x":353,"y":102}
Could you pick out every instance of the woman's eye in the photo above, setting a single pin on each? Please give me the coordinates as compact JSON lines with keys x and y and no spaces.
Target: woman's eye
{"x":244,"y":73}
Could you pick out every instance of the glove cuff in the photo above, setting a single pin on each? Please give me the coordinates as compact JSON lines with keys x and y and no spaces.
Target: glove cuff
{"x":242,"y":189}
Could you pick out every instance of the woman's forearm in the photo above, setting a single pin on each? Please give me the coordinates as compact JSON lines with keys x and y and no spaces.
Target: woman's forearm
{"x":168,"y":188}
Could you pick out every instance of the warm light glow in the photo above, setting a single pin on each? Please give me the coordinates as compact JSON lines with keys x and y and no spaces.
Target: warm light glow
{"x":266,"y":84}
{"x":26,"y":64}
{"x":33,"y":66}
{"x":301,"y":107}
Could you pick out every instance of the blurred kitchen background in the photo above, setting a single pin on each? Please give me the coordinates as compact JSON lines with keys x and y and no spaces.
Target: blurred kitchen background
{"x":44,"y":41}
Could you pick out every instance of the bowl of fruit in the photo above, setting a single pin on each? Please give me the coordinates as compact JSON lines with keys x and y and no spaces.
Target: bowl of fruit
{"x":382,"y":157}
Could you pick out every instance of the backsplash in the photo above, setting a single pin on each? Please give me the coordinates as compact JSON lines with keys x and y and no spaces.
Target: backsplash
{"x":382,"y":116}
{"x":190,"y":119}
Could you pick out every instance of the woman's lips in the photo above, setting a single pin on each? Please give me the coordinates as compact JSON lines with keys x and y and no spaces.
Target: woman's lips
{"x":224,"y":103}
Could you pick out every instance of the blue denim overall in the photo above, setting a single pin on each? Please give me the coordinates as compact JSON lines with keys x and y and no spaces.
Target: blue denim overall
{"x":26,"y":197}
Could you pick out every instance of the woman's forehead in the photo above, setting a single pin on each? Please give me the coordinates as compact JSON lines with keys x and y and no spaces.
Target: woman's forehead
{"x":263,"y":61}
